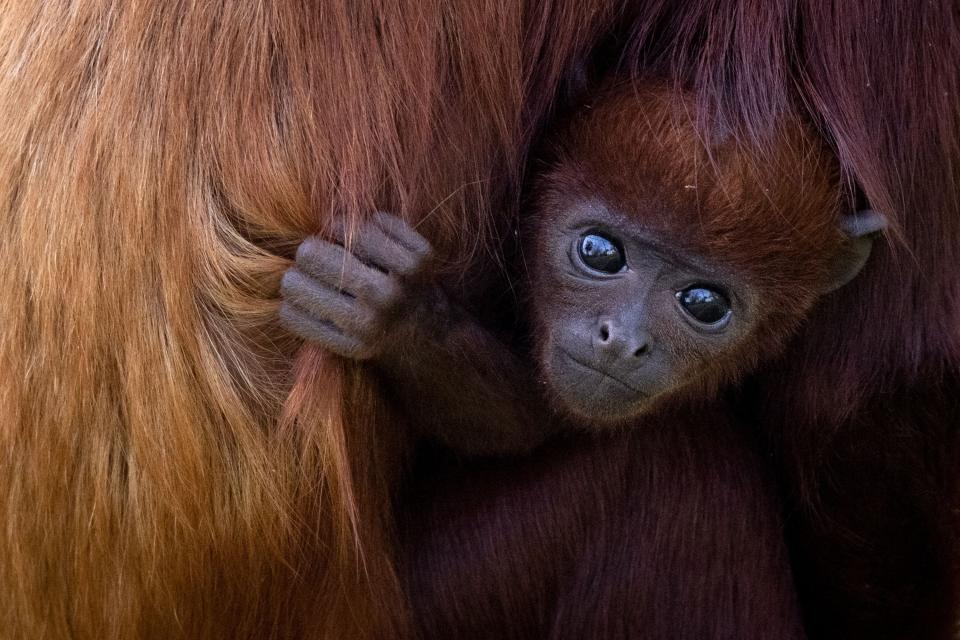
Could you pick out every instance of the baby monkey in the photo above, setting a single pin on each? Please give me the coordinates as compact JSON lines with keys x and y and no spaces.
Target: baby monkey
{"x":663,"y":267}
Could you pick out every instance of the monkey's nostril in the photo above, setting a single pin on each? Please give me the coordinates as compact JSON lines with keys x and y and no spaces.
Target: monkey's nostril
{"x":604,"y":332}
{"x":642,"y":350}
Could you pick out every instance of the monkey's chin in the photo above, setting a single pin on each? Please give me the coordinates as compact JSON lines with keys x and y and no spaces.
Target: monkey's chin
{"x":590,"y":417}
{"x":592,"y":397}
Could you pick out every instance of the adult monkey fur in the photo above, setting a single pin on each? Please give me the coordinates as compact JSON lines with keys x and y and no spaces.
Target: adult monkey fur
{"x":161,"y":472}
{"x":661,"y":272}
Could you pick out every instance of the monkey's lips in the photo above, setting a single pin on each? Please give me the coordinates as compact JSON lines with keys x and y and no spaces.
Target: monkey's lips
{"x":589,"y":391}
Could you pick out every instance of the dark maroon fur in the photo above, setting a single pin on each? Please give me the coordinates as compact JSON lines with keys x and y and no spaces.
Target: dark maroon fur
{"x":873,"y":521}
{"x":679,"y":539}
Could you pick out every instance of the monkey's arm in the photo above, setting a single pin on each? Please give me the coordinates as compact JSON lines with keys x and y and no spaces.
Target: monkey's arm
{"x":453,"y":378}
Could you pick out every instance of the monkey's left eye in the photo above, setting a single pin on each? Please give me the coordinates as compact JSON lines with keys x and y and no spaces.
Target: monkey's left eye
{"x":601,"y":253}
{"x":705,"y":305}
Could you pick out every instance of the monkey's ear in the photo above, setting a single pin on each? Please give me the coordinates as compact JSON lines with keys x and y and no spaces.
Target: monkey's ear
{"x":861,"y":228}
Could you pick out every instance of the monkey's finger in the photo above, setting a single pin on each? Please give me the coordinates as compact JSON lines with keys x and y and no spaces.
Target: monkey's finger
{"x":375,"y":247}
{"x":323,"y":302}
{"x":322,"y":333}
{"x":332,"y":264}
{"x":401,"y":231}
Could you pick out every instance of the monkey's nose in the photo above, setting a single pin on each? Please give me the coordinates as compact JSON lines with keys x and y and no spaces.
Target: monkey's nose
{"x":616,"y":342}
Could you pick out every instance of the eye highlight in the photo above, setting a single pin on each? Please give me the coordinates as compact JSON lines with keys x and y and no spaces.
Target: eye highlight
{"x":704,"y":304}
{"x":601,"y":253}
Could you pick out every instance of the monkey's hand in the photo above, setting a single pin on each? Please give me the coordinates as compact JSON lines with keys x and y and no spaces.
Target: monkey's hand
{"x":359,"y":303}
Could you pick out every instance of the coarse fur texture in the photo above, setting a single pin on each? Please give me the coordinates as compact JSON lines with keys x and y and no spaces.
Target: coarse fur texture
{"x":173,"y":464}
{"x":163,"y":474}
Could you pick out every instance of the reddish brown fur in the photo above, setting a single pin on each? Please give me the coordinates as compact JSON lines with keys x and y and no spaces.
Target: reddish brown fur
{"x":158,"y":163}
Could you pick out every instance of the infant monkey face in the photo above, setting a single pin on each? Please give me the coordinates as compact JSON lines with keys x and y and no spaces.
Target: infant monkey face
{"x":627,"y":318}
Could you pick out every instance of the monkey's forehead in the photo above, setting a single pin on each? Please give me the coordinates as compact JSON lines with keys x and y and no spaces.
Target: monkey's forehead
{"x":651,"y":138}
{"x":642,"y":151}
{"x":730,"y":202}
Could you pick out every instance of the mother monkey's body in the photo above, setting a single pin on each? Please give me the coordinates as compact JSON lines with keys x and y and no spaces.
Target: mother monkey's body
{"x":160,"y":161}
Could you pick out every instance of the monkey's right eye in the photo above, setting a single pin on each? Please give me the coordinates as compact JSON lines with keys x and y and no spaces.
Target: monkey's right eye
{"x":601,"y":253}
{"x":705,"y":304}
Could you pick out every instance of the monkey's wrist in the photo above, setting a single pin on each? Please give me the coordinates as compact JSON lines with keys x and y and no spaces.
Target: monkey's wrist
{"x":421,"y":332}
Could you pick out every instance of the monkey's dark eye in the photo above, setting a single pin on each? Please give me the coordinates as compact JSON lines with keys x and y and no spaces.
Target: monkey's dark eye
{"x":601,"y":253}
{"x":705,"y":305}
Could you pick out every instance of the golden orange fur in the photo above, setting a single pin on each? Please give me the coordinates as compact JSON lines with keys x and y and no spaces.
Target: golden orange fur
{"x":171,"y":463}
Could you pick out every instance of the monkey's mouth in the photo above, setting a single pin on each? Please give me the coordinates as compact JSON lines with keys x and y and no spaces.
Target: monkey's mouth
{"x":591,"y":395}
{"x":604,"y":374}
